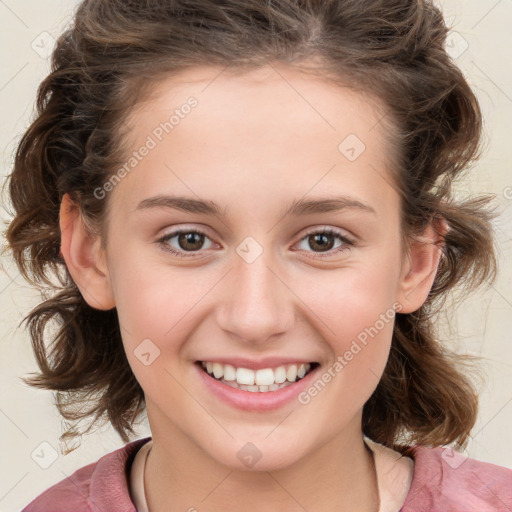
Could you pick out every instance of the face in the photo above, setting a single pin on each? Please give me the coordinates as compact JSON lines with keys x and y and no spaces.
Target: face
{"x":258,"y":230}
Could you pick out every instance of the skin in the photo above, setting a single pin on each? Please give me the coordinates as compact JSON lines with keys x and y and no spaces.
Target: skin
{"x":253,"y":145}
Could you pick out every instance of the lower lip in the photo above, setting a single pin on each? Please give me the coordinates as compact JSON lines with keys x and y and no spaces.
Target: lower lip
{"x":256,"y":401}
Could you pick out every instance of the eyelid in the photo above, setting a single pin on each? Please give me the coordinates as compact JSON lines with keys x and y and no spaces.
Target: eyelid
{"x":343,"y":234}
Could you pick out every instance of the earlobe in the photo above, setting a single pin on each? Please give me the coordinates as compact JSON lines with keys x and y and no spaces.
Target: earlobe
{"x":84,"y":257}
{"x":420,"y":269}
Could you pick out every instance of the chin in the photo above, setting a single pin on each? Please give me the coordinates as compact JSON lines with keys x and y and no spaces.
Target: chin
{"x":258,"y":455}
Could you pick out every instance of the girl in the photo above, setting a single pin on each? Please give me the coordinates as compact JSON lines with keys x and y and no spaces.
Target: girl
{"x":248,"y":206}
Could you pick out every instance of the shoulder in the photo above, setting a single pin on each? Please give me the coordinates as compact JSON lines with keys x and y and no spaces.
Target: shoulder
{"x":446,"y":480}
{"x":102,"y":485}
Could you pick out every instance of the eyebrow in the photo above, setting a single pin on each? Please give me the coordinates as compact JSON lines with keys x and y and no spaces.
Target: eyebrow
{"x":298,"y":207}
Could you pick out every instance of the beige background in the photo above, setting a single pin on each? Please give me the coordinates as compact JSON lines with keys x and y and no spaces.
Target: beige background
{"x":482,"y":44}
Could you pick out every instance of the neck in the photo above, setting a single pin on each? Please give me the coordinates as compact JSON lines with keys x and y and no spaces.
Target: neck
{"x":339,"y":476}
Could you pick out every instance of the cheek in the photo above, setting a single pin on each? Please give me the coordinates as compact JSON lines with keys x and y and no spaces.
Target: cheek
{"x":359,"y":338}
{"x":152,"y":300}
{"x":155,"y":308}
{"x":357,"y":309}
{"x":158,"y":309}
{"x":356,"y":298}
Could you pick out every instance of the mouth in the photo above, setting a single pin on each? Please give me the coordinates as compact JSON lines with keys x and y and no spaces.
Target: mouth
{"x":263,"y":380}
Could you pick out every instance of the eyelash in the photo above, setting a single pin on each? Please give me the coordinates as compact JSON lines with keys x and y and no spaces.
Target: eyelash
{"x":347,"y":243}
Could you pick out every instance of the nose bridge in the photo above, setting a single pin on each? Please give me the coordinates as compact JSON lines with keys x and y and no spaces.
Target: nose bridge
{"x":256,"y":304}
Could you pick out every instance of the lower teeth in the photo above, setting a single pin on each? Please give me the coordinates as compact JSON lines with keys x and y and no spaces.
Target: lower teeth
{"x":254,"y":388}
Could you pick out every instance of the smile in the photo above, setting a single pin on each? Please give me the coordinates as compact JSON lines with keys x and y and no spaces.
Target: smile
{"x":262,"y":380}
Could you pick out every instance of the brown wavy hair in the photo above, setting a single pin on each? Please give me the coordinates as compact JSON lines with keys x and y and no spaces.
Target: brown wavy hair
{"x":104,"y":64}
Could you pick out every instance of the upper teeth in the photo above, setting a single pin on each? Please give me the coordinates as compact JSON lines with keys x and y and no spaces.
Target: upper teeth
{"x":263,"y":377}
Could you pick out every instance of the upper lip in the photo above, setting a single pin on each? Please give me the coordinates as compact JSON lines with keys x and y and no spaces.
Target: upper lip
{"x":270,"y":362}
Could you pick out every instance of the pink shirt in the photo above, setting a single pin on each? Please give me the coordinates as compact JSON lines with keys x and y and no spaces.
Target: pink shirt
{"x":443,"y":481}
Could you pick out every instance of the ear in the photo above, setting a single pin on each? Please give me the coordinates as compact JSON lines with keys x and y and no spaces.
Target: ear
{"x":84,"y":257}
{"x":420,"y":266}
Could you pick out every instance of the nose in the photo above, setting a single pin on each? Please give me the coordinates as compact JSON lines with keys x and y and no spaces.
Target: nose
{"x":256,"y":304}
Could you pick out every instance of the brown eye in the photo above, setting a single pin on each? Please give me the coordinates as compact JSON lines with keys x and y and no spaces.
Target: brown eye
{"x":190,"y":241}
{"x":323,"y":241}
{"x":184,"y":242}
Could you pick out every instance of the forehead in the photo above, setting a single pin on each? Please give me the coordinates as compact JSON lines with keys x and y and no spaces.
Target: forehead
{"x":256,"y":125}
{"x":228,"y":92}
